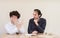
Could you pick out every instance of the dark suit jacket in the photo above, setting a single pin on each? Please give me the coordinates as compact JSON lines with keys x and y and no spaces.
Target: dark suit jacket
{"x":33,"y":27}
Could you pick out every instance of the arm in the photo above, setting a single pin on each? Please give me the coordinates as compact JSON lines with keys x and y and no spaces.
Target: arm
{"x":41,"y":27}
{"x":22,"y":30}
{"x":30,"y":27}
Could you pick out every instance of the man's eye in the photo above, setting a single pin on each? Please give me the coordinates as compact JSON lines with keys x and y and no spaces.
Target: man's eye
{"x":35,"y":14}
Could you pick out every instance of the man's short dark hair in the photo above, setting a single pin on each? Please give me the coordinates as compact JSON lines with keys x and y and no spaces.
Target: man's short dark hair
{"x":15,"y":13}
{"x":38,"y":11}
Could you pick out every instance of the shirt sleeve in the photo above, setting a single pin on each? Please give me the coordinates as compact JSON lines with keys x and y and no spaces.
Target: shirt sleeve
{"x":22,"y":30}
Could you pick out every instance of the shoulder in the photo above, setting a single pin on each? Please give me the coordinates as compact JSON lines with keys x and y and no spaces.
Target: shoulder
{"x":8,"y":25}
{"x":31,"y":19}
{"x":42,"y":19}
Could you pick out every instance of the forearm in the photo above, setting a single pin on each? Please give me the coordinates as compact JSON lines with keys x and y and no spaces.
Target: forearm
{"x":40,"y":28}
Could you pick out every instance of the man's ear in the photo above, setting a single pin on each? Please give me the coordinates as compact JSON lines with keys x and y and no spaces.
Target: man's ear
{"x":39,"y":15}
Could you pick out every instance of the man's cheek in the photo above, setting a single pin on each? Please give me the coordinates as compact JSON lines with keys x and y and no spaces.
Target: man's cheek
{"x":11,"y":19}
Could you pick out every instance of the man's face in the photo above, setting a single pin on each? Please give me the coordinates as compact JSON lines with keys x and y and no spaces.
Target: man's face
{"x":13,"y":18}
{"x":35,"y":15}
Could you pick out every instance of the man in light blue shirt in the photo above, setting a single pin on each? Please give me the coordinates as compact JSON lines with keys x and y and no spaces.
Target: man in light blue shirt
{"x":14,"y":26}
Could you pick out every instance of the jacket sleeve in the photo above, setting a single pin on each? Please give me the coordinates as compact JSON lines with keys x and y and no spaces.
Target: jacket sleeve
{"x":42,"y":27}
{"x":30,"y":27}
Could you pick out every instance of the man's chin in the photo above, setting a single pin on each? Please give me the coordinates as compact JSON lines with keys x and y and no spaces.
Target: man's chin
{"x":35,"y":18}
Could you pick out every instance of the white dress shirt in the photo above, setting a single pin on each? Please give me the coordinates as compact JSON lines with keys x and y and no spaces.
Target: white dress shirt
{"x":12,"y":29}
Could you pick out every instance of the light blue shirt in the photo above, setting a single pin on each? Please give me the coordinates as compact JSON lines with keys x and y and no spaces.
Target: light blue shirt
{"x":12,"y":29}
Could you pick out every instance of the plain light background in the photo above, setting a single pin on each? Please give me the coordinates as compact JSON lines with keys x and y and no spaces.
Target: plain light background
{"x":49,"y":8}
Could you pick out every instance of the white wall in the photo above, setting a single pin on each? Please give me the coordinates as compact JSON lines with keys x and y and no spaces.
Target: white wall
{"x":49,"y":8}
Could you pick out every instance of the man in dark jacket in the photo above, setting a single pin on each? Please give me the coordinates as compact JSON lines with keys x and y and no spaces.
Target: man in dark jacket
{"x":36,"y":24}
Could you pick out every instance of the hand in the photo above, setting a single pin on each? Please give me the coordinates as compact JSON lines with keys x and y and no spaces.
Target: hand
{"x":36,"y":21}
{"x":34,"y":32}
{"x":17,"y":23}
